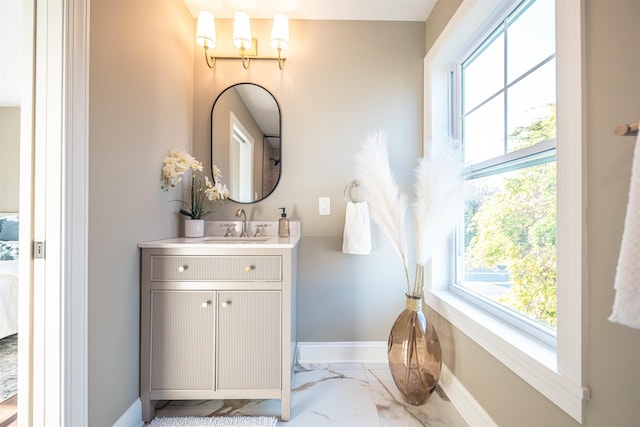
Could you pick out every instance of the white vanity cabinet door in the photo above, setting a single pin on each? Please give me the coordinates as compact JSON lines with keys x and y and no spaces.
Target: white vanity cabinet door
{"x":182,"y":340}
{"x":249,"y":355}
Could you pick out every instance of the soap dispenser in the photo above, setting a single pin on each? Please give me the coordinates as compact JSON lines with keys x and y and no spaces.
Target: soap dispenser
{"x":283,"y":224}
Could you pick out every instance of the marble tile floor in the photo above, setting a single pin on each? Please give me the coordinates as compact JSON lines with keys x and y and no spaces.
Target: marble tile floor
{"x":337,"y":395}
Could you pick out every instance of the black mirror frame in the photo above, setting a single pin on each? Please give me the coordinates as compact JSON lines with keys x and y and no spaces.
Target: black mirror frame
{"x":279,"y":132}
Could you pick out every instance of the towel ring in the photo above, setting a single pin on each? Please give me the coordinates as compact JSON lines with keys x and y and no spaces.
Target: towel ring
{"x":354,"y":192}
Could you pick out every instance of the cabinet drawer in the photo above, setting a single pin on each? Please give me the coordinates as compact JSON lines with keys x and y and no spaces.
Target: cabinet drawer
{"x":216,"y":268}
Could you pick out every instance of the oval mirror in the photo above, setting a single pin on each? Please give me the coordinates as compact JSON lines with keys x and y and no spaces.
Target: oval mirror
{"x":245,"y":141}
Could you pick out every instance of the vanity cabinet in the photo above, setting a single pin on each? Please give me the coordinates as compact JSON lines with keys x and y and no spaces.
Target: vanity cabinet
{"x":217,"y":323}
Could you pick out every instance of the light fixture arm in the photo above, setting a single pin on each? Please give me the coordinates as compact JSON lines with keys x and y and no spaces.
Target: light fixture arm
{"x":242,"y":57}
{"x":206,"y":57}
{"x":280,"y":59}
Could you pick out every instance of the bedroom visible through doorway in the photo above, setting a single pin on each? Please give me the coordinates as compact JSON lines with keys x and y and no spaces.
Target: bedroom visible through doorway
{"x":11,"y":58}
{"x":9,"y":251}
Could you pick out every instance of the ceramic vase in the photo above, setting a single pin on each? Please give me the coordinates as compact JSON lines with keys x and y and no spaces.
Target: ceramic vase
{"x":414,"y":353}
{"x":193,"y":227}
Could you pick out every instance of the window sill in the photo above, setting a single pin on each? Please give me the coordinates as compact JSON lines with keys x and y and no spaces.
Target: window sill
{"x":531,"y":360}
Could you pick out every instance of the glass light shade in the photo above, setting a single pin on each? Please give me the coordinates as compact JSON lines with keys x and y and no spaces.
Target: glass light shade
{"x":241,"y":30}
{"x":206,"y":30}
{"x":280,"y":32}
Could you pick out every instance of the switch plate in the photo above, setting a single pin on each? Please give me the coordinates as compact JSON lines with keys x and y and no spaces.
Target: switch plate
{"x":324,"y":206}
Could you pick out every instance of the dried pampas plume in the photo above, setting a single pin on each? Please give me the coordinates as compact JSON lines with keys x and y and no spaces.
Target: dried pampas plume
{"x":388,"y":206}
{"x":439,"y":196}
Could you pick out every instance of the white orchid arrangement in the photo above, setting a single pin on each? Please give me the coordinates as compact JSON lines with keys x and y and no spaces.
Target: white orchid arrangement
{"x":175,"y":165}
{"x":439,"y":195}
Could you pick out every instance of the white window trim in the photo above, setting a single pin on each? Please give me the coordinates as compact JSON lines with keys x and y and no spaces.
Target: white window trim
{"x":557,"y":374}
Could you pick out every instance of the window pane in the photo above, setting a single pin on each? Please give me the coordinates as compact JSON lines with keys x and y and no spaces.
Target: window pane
{"x":510,"y":241}
{"x":531,"y":112}
{"x":531,"y":38}
{"x":483,"y":73}
{"x":483,"y":132}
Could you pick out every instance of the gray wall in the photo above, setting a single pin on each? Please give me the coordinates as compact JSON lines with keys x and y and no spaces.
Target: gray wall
{"x":140,"y":107}
{"x":612,"y":351}
{"x":9,"y":158}
{"x":342,"y":80}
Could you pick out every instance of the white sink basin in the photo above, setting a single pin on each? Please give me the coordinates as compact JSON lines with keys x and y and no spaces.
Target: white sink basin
{"x":236,"y":239}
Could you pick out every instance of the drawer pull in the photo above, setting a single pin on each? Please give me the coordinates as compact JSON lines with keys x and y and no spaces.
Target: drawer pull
{"x":206,"y":304}
{"x":183,"y":268}
{"x":226,"y":304}
{"x":248,"y":268}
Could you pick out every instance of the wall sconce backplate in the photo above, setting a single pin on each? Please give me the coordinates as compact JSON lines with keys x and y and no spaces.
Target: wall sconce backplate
{"x":253,"y":52}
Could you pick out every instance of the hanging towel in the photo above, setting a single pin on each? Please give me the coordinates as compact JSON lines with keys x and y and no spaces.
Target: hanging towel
{"x":626,"y":305}
{"x":357,"y":229}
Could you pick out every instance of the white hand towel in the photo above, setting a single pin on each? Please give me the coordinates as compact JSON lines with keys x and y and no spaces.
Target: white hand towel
{"x":626,"y":306}
{"x":357,"y":229}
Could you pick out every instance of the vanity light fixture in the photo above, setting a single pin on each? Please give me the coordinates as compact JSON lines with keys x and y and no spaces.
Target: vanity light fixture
{"x":242,"y":35}
{"x":280,"y":36}
{"x":242,"y":39}
{"x":206,"y":34}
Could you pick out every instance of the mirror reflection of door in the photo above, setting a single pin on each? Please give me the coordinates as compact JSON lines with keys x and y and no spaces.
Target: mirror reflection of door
{"x":241,"y":160}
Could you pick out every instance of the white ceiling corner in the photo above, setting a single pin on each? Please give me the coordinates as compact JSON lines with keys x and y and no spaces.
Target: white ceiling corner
{"x":351,"y":10}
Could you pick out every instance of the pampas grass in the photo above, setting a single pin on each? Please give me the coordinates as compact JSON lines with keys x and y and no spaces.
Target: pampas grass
{"x":439,"y":196}
{"x":439,"y":192}
{"x":388,"y":206}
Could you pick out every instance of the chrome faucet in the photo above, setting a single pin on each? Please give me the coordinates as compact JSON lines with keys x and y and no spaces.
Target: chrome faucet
{"x":240,"y":214}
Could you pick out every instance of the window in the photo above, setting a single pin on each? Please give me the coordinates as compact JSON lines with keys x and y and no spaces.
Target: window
{"x":477,"y":30}
{"x":506,"y":248}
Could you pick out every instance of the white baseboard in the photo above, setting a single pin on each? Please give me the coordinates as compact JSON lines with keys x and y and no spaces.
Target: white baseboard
{"x":376,"y":352}
{"x":132,"y":417}
{"x":469,"y":408}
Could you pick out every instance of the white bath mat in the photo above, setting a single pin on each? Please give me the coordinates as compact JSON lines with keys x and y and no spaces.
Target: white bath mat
{"x":213,"y":421}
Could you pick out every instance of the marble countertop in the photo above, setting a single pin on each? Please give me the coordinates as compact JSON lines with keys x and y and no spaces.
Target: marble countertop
{"x":214,"y":237}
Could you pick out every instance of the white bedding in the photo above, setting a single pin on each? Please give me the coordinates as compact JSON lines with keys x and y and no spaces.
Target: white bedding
{"x":8,"y":276}
{"x":8,"y":298}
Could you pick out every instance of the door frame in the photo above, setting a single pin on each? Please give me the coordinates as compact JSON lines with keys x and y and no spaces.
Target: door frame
{"x":53,"y":362}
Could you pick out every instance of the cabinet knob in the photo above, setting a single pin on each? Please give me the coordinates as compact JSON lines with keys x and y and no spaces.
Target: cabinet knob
{"x":248,"y":268}
{"x":206,"y":304}
{"x":226,"y":303}
{"x":182,"y":268}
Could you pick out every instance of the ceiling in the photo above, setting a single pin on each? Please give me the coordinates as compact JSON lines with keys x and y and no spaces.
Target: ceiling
{"x":351,"y":10}
{"x":359,"y":10}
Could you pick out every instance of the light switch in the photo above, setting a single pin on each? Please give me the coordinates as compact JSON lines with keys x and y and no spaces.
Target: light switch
{"x":324,"y":205}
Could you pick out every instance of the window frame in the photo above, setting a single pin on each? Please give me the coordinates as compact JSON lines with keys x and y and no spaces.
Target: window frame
{"x":538,"y":153}
{"x":557,"y":373}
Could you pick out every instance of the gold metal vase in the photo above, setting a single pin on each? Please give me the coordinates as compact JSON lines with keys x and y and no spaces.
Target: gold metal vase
{"x":414,"y":353}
